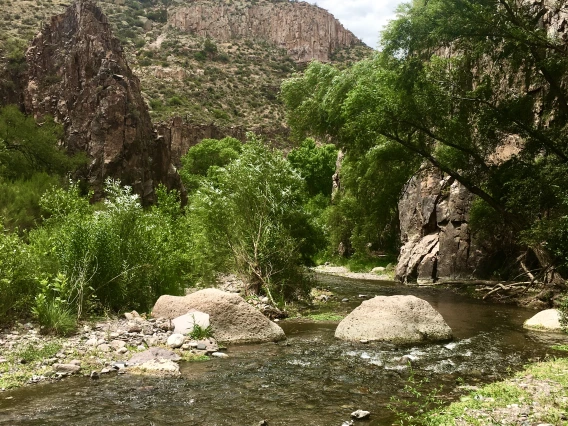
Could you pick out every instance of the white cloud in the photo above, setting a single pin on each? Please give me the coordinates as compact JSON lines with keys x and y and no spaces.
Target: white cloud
{"x":365,"y":18}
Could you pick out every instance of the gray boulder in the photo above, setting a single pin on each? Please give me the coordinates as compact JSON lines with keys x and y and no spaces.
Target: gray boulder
{"x":398,"y":319}
{"x":232,"y":319}
{"x":155,"y":354}
{"x":547,"y":320}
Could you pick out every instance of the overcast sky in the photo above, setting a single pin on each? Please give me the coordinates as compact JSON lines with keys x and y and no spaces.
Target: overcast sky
{"x":365,"y":18}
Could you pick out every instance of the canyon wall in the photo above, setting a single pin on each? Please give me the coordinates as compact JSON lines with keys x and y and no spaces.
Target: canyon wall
{"x":307,"y":32}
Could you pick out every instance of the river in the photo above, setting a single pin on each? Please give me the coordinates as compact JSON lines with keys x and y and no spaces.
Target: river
{"x":310,"y":379}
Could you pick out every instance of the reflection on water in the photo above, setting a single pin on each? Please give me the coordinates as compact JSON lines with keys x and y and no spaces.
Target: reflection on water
{"x":311,"y":379}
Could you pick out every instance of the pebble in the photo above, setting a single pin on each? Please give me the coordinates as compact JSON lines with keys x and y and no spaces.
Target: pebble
{"x":122,"y":351}
{"x":94,"y":375}
{"x":66,"y":368}
{"x":360,"y":414}
{"x":345,"y":300}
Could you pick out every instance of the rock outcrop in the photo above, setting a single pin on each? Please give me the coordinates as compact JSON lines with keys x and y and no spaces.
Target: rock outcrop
{"x":437,"y":241}
{"x":232,"y":319}
{"x":397,"y":319}
{"x":77,"y":73}
{"x":307,"y":32}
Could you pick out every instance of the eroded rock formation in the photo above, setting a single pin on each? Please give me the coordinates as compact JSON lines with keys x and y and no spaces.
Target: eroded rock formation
{"x":436,"y":238}
{"x":304,"y":30}
{"x":77,"y":73}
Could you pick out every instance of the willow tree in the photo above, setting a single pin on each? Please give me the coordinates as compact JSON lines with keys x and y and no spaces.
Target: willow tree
{"x":459,"y":83}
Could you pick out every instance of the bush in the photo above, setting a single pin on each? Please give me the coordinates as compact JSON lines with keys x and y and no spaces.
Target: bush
{"x":120,"y":257}
{"x":248,"y":218}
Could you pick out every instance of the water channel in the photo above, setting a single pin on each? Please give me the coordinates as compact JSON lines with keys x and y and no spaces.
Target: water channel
{"x":311,"y":379}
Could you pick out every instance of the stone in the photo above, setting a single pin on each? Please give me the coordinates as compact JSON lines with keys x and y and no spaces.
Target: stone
{"x":175,"y":340}
{"x":75,"y":362}
{"x":154,"y":354}
{"x":232,"y":319}
{"x":397,"y":319}
{"x":3,"y":360}
{"x":122,"y":350}
{"x":117,"y":344}
{"x":94,"y":375}
{"x":134,"y":327}
{"x":66,"y":368}
{"x":547,"y":320}
{"x":219,"y":355}
{"x":184,"y":324}
{"x":360,"y":414}
{"x":161,"y":367}
{"x":104,"y":348}
{"x":378,"y":270}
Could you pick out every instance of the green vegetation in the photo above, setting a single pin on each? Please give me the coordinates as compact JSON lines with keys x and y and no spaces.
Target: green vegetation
{"x":199,"y":333}
{"x":326,"y":316}
{"x":415,"y":103}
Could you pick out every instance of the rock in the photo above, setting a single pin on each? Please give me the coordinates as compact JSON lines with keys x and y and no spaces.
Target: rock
{"x":548,"y":320}
{"x":175,"y":340}
{"x":436,"y":240}
{"x":219,"y":355}
{"x":306,"y":32}
{"x":3,"y":360}
{"x":66,"y":368}
{"x":378,"y":270}
{"x":184,"y":324}
{"x":104,"y":348}
{"x":154,"y":354}
{"x":105,"y":370}
{"x":77,"y":72}
{"x":122,"y":350}
{"x":151,"y":341}
{"x":360,"y":414}
{"x":347,"y":423}
{"x":158,"y":366}
{"x":344,"y":300}
{"x":233,"y":320}
{"x":117,"y":344}
{"x":94,"y":375}
{"x":398,"y":319}
{"x":75,"y":362}
{"x":134,"y":327}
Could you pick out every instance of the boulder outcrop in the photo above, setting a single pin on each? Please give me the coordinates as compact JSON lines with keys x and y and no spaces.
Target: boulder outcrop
{"x":232,"y":319}
{"x":307,"y":32}
{"x":437,"y":243}
{"x":397,"y":319}
{"x":78,"y":74}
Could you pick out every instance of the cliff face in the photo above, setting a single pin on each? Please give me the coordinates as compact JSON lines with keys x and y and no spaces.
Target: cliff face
{"x":437,"y":242}
{"x":305,"y":31}
{"x":78,"y":74}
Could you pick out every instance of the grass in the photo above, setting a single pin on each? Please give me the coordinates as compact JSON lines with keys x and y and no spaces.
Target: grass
{"x":199,"y":333}
{"x":560,"y":348}
{"x":541,"y":390}
{"x":190,"y":357}
{"x":325,"y":316}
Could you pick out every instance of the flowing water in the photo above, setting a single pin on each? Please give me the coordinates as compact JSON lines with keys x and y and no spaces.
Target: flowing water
{"x":311,"y":379}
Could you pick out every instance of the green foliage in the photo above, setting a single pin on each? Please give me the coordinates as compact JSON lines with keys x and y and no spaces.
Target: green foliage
{"x":32,"y":353}
{"x":316,"y":164}
{"x":248,"y":218}
{"x":18,"y":285}
{"x":327,"y":316}
{"x":19,"y":200}
{"x":208,"y":153}
{"x":199,"y":333}
{"x":121,"y":257}
{"x":26,"y":148}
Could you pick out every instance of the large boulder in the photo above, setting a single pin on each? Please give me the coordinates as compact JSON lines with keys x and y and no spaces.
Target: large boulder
{"x":547,"y":320}
{"x":232,"y":319}
{"x":398,"y":319}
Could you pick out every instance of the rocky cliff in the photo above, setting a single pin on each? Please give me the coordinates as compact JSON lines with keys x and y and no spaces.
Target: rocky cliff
{"x":437,"y":242}
{"x":77,"y":73}
{"x":305,"y":31}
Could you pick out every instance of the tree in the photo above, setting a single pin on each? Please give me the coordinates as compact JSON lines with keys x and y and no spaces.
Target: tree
{"x":248,"y":218}
{"x":455,"y":81}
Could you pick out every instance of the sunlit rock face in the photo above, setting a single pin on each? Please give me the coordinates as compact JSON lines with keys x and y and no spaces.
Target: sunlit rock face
{"x":307,"y":32}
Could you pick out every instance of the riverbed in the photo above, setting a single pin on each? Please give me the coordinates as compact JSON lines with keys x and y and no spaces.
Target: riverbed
{"x":310,"y":379}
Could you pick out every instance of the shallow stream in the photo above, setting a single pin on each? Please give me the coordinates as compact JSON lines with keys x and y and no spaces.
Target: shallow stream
{"x":311,"y":379}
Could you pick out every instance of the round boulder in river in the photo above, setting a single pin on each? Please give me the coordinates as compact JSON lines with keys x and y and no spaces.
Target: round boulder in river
{"x":398,"y":319}
{"x":548,"y":320}
{"x":232,"y":319}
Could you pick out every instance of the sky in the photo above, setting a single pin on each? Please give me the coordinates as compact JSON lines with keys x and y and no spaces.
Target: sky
{"x":364,"y":18}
